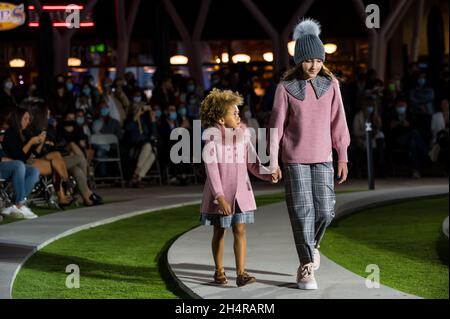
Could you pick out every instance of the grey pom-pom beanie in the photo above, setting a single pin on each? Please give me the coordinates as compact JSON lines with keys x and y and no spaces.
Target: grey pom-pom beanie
{"x":307,"y":42}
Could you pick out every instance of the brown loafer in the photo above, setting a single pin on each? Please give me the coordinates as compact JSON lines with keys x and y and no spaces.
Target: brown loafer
{"x":220,"y":278}
{"x":244,"y":279}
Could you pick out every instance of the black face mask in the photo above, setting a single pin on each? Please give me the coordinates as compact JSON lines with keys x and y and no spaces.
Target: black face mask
{"x":69,"y":123}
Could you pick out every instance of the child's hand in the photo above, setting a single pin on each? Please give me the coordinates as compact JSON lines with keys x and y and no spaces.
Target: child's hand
{"x":224,"y":207}
{"x":276,"y":176}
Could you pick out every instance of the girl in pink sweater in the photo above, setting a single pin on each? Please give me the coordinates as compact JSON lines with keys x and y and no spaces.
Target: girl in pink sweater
{"x":228,"y":199}
{"x":310,"y":118}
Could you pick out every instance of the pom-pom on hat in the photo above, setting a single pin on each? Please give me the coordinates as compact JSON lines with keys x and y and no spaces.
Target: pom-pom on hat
{"x":307,"y":42}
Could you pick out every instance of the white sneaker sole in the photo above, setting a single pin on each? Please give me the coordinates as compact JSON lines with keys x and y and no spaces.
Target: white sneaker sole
{"x":30,"y":216}
{"x":307,"y":285}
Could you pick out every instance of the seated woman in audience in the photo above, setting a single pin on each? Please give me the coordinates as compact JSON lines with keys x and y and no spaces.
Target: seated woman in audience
{"x":19,"y":145}
{"x":65,"y":143}
{"x":23,"y":178}
{"x":140,"y":133}
{"x":75,"y":139}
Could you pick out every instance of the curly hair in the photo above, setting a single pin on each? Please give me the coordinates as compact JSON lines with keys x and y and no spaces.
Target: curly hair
{"x":215,"y":104}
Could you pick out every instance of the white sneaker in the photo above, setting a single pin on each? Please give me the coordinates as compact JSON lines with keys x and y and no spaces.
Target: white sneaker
{"x":305,"y":277}
{"x":27,"y":213}
{"x":316,"y":259}
{"x":7,"y":211}
{"x":13,"y":212}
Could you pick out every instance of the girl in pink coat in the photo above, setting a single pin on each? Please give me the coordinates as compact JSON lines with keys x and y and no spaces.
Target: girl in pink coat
{"x":310,"y":119}
{"x":228,"y":199}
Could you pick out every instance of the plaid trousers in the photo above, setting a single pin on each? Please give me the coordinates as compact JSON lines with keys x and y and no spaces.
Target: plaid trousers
{"x":310,"y":200}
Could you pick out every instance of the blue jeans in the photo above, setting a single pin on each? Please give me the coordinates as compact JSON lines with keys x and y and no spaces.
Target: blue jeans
{"x":23,"y":177}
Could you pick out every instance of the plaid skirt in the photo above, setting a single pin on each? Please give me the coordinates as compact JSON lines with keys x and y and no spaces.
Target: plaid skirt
{"x":226,"y":221}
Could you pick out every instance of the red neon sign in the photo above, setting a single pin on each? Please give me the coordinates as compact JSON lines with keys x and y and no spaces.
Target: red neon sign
{"x":63,"y":24}
{"x":58,"y":15}
{"x":58,"y":7}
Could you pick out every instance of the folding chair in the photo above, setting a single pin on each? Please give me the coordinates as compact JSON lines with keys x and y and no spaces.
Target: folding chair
{"x":44,"y":194}
{"x":112,"y":142}
{"x":5,"y":195}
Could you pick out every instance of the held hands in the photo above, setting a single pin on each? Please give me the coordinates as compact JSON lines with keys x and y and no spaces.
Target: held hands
{"x":276,"y":175}
{"x":342,"y":172}
{"x":224,"y":207}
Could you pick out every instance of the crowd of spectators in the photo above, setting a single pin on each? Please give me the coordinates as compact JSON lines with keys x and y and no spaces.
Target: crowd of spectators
{"x":408,"y":115}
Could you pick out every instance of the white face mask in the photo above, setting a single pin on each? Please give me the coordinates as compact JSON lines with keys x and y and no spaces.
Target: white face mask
{"x":248,"y":114}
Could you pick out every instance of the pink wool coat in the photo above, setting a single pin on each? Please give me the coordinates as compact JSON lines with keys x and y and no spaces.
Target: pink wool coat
{"x":229,"y":178}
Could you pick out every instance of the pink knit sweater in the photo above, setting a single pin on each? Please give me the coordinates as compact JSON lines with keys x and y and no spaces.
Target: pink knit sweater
{"x":309,"y":128}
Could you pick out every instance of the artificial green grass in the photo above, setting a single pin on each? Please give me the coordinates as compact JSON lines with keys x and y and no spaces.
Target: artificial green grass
{"x":125,"y":259}
{"x":405,"y":240}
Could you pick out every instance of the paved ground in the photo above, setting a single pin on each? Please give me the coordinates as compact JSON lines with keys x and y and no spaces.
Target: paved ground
{"x":272,"y":257}
{"x":19,"y":240}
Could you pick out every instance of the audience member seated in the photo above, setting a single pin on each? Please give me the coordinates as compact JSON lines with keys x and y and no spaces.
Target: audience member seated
{"x":369,"y":114}
{"x":73,"y":156}
{"x":105,"y":124}
{"x":23,"y":178}
{"x":18,"y":144}
{"x":140,"y":134}
{"x":402,"y":134}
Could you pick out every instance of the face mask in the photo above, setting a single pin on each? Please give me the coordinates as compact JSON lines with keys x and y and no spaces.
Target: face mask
{"x":182,"y":111}
{"x":137,"y":99}
{"x":69,"y":123}
{"x":104,"y":111}
{"x":69,"y":86}
{"x":190,"y":87}
{"x":173,"y":116}
{"x":248,"y":114}
{"x":401,"y":110}
{"x":80,"y":120}
{"x":9,"y":85}
{"x":87,"y":91}
{"x":158,"y":113}
{"x":421,"y":81}
{"x":370,"y":109}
